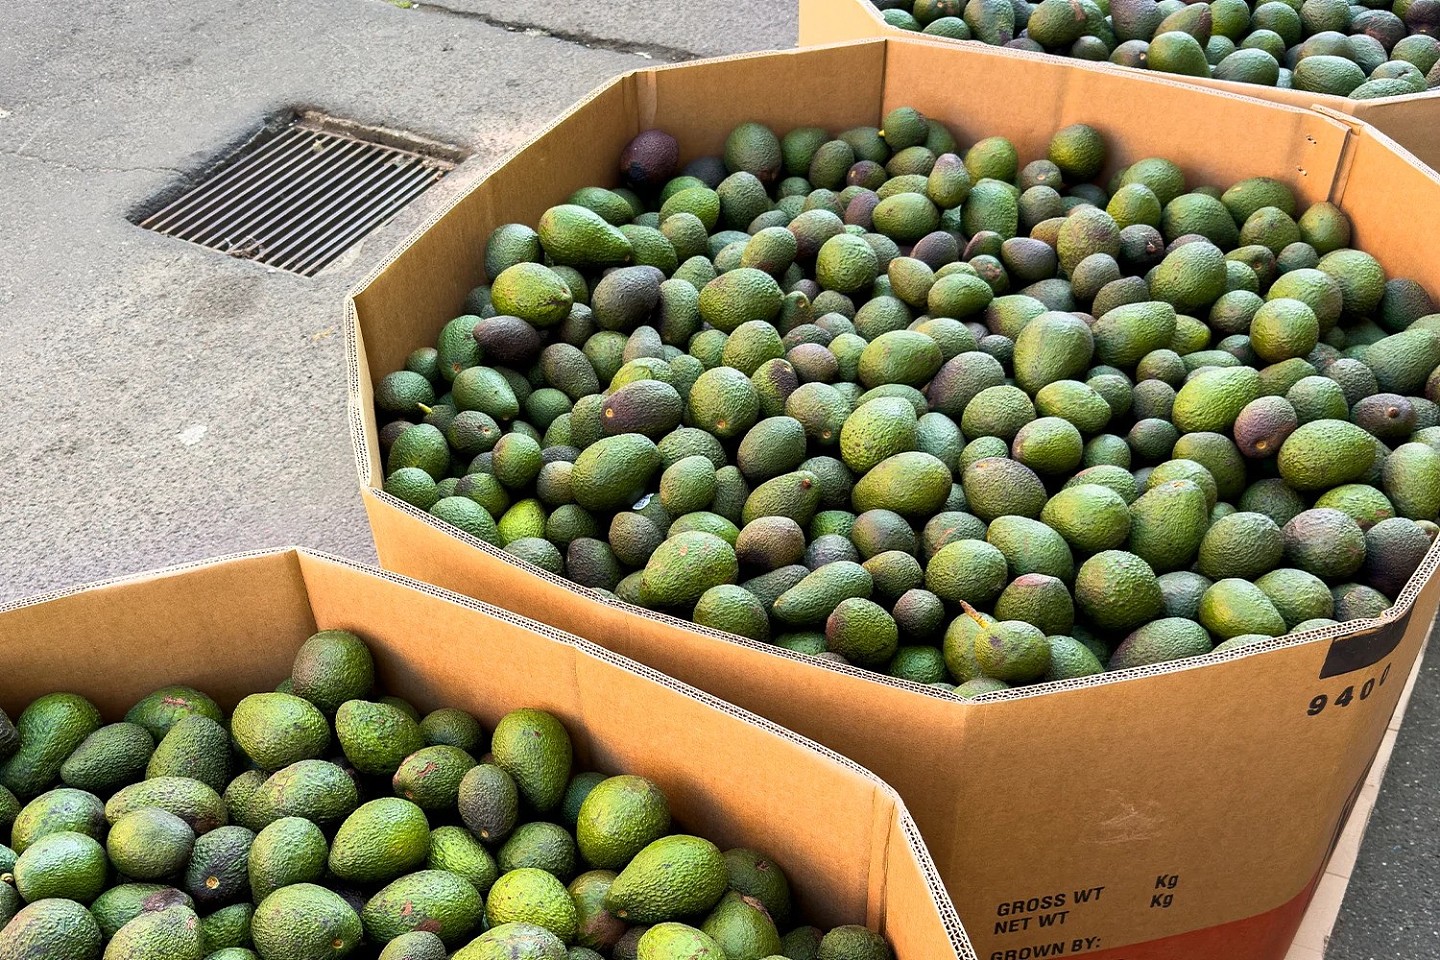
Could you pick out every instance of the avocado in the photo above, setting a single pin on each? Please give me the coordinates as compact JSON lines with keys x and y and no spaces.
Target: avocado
{"x":1244,"y":545}
{"x":899,"y":356}
{"x":1160,"y":641}
{"x":119,"y":905}
{"x":149,"y":844}
{"x":534,"y":748}
{"x":996,"y":487}
{"x":62,"y":864}
{"x":1211,"y":400}
{"x":1090,"y":517}
{"x":620,"y":817}
{"x":742,"y":927}
{"x":1325,"y":453}
{"x":613,"y":472}
{"x":1168,"y":524}
{"x":543,"y":846}
{"x":672,"y":877}
{"x":288,"y":851}
{"x":647,"y":407}
{"x":380,"y":841}
{"x":1394,"y":549}
{"x":1010,"y":650}
{"x":111,"y":757}
{"x":432,"y":901}
{"x":576,"y":236}
{"x":218,"y":870}
{"x":1051,"y":347}
{"x":1298,"y":596}
{"x":913,"y":484}
{"x":686,"y":565}
{"x":532,"y":896}
{"x":278,"y":729}
{"x":757,"y":877}
{"x":415,"y":945}
{"x":1040,"y":600}
{"x":510,"y":940}
{"x":169,"y":934}
{"x":488,"y":802}
{"x":430,"y":777}
{"x":1031,"y":547}
{"x":226,"y":932}
{"x":334,"y":666}
{"x":671,"y":939}
{"x":969,"y":571}
{"x":376,"y":737}
{"x":50,"y":728}
{"x":1234,"y":607}
{"x":305,"y":920}
{"x":862,"y":632}
{"x":1118,"y":590}
{"x":813,"y":598}
{"x":314,"y":789}
{"x":1411,"y":479}
{"x":732,"y":609}
{"x":196,"y":747}
{"x":190,"y":800}
{"x":754,"y":148}
{"x":853,"y":942}
{"x":1324,"y":542}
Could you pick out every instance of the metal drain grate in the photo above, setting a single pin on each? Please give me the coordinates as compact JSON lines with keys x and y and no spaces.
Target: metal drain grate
{"x":301,"y":198}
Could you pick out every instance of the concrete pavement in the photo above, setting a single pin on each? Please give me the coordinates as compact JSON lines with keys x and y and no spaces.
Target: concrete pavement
{"x":163,"y":403}
{"x":167,"y":403}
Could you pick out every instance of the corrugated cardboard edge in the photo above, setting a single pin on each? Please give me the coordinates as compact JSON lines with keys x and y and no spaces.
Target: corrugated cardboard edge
{"x":882,"y":791}
{"x":812,"y":34}
{"x":1394,"y":617}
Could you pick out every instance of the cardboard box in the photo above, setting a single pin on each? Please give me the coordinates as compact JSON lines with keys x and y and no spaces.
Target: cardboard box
{"x":231,"y":627}
{"x":1314,"y":935}
{"x":1413,"y":120}
{"x":1184,"y":811}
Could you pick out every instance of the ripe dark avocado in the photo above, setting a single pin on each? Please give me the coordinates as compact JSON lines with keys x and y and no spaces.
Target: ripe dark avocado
{"x":650,"y":159}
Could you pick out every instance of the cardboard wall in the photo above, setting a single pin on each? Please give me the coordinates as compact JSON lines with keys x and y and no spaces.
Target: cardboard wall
{"x":1157,"y":117}
{"x":1202,"y":772}
{"x":1413,"y":121}
{"x":231,"y":628}
{"x":1391,"y":199}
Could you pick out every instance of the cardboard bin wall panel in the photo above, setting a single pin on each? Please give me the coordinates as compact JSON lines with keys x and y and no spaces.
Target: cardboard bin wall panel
{"x":1170,"y":120}
{"x":837,"y":88}
{"x":1204,"y":796}
{"x":231,"y":628}
{"x":1389,"y":199}
{"x":1413,"y":120}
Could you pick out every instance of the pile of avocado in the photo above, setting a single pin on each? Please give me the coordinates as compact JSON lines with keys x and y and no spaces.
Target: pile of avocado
{"x":932,"y":412}
{"x":317,"y":823}
{"x":1359,"y":50}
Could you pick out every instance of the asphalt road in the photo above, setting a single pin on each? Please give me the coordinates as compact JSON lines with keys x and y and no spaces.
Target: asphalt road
{"x":162,"y":403}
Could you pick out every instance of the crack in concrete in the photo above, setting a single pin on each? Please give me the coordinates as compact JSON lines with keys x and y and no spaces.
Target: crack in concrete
{"x":52,"y":162}
{"x":649,"y":51}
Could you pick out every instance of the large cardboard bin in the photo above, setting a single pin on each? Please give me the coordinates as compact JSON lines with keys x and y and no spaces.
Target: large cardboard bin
{"x":231,"y":627}
{"x":1413,"y":120}
{"x":1183,"y":812}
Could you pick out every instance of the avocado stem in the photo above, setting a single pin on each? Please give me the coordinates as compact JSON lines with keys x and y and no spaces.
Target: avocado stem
{"x":972,"y":613}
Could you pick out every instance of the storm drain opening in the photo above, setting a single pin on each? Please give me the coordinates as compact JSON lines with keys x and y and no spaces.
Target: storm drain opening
{"x":299,"y":198}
